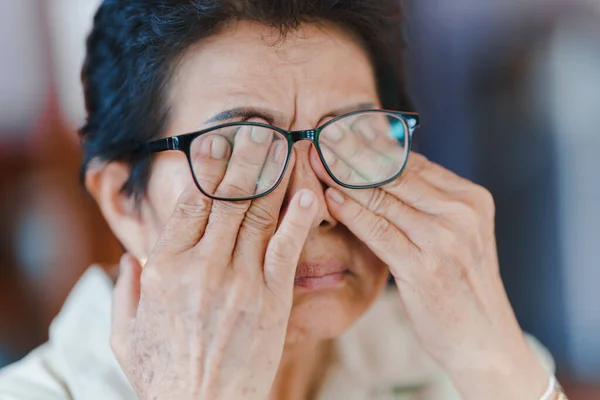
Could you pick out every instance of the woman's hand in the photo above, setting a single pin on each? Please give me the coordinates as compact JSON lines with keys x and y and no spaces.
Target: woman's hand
{"x":207,"y":316}
{"x":435,"y":230}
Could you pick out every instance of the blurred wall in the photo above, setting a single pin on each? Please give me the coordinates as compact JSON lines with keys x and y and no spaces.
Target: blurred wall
{"x":51,"y":230}
{"x":573,"y":65}
{"x":508,"y":92}
{"x":69,"y":22}
{"x":23,"y":70}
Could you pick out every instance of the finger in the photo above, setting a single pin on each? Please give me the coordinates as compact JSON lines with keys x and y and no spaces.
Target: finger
{"x":341,"y":169}
{"x":414,"y":223}
{"x":261,"y":221}
{"x":379,"y":132}
{"x":382,"y":133}
{"x":187,"y":223}
{"x":365,"y":145}
{"x":410,"y":188}
{"x":417,"y":192}
{"x":462,"y":194}
{"x":351,"y":149}
{"x":126,"y":297}
{"x":250,"y":150}
{"x":209,"y":155}
{"x":274,"y":165}
{"x":388,"y":242}
{"x":283,"y":251}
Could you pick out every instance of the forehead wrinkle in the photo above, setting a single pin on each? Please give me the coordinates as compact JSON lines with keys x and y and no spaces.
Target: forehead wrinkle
{"x":303,"y":77}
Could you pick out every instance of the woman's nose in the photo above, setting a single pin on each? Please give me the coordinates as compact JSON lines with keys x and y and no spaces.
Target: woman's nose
{"x":304,"y":177}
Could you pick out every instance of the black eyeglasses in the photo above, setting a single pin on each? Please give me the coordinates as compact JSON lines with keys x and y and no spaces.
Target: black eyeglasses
{"x":247,"y":160}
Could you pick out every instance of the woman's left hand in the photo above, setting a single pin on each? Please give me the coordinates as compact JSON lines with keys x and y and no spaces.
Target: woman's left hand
{"x":435,"y":230}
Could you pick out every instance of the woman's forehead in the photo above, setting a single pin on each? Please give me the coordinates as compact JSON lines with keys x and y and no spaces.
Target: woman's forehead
{"x":315,"y":68}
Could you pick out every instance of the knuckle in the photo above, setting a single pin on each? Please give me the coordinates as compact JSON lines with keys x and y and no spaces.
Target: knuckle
{"x":464,"y":215}
{"x":402,"y":181}
{"x":447,"y":240}
{"x":379,"y":201}
{"x":411,"y":175}
{"x":283,"y":246}
{"x":224,"y":209}
{"x":260,"y":217}
{"x":192,"y":205}
{"x":234,"y":190}
{"x":478,"y":204}
{"x":296,"y":229}
{"x":249,"y":161}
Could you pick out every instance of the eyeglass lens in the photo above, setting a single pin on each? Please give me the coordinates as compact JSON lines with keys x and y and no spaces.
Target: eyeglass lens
{"x":365,"y":149}
{"x":245,"y":161}
{"x":238,"y":161}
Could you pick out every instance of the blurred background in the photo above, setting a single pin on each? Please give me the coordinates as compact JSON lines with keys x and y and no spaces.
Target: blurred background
{"x":509,"y":92}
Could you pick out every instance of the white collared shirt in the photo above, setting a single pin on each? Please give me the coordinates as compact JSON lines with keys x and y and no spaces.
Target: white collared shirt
{"x":377,"y":359}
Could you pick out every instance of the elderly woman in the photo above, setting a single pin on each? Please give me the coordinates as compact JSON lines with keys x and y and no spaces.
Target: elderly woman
{"x":245,"y":155}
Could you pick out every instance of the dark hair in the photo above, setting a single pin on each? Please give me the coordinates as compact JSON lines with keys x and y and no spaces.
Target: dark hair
{"x":134,"y":46}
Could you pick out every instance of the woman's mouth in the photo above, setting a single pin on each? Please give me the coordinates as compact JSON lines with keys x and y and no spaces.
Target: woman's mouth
{"x":319,"y":276}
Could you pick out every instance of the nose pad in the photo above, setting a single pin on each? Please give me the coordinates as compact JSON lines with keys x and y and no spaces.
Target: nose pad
{"x":304,"y":177}
{"x":304,"y":135}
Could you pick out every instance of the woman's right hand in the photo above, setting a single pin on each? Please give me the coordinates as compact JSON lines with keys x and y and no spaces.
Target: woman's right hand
{"x":207,"y":316}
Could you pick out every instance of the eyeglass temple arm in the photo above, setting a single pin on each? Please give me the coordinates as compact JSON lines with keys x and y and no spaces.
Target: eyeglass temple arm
{"x":160,"y":145}
{"x":413,"y":122}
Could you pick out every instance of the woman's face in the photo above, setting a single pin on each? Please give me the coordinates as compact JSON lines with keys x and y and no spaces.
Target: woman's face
{"x":299,"y":82}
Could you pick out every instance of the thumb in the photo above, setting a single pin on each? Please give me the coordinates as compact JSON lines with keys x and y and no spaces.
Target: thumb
{"x":283,"y":251}
{"x":126,"y":297}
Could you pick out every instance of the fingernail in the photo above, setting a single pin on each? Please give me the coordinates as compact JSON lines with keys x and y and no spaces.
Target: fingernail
{"x":336,"y":196}
{"x":260,"y":135}
{"x":218,"y":149}
{"x":307,"y":199}
{"x":334,"y":133}
{"x":328,"y":156}
{"x":206,"y":145}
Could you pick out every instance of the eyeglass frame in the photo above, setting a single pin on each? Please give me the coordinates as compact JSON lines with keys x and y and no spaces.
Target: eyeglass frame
{"x":183,"y":143}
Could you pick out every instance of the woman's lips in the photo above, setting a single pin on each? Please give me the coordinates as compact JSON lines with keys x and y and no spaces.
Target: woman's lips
{"x":315,"y":276}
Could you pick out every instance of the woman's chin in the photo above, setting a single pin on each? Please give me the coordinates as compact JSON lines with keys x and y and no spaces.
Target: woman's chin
{"x":324,"y":309}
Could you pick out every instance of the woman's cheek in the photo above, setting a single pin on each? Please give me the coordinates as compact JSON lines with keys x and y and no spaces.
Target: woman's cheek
{"x":370,"y":270}
{"x":167,"y":181}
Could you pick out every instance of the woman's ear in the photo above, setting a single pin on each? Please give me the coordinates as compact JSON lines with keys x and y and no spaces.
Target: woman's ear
{"x":105,"y":182}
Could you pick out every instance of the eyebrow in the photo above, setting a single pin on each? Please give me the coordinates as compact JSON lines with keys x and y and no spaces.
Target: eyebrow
{"x":272,"y":117}
{"x":245,"y":113}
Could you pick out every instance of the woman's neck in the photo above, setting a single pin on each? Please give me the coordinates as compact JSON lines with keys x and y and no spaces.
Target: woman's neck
{"x":301,"y":371}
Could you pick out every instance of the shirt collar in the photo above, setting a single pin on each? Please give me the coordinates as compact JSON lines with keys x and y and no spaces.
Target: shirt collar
{"x":79,"y":339}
